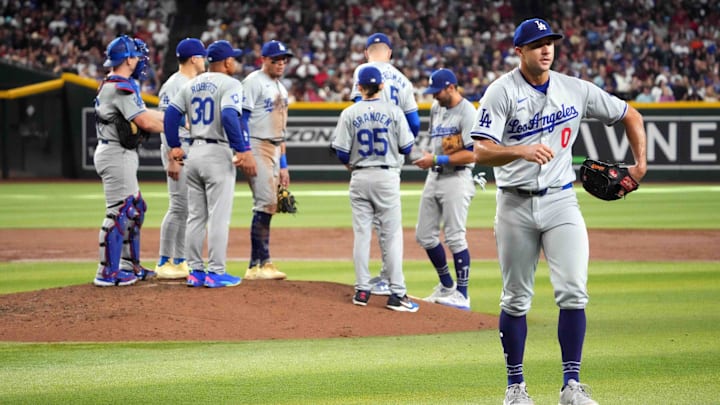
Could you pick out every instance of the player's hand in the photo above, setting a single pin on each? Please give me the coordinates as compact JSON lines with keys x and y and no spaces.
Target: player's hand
{"x":246,"y":162}
{"x":637,"y":172}
{"x":173,"y":169}
{"x":538,"y":153}
{"x":177,"y":155}
{"x":480,"y":180}
{"x":425,"y":162}
{"x":285,"y":177}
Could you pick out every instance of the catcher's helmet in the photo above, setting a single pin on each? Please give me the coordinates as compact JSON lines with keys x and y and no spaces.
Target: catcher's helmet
{"x":119,"y":49}
{"x":142,"y":70}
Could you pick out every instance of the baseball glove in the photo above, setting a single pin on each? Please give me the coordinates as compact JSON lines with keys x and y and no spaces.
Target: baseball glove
{"x":285,"y":201}
{"x":129,"y":134}
{"x":452,"y":144}
{"x":606,"y":181}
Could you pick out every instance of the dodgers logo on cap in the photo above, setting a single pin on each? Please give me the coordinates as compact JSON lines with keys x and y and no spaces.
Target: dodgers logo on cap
{"x":274,"y":49}
{"x":532,"y":30}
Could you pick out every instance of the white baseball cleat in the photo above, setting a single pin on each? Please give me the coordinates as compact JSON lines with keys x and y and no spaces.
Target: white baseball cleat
{"x":440,"y":291}
{"x":516,"y":394}
{"x":456,"y":300}
{"x":575,"y":393}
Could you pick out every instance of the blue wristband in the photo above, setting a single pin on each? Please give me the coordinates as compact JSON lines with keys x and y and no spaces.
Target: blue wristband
{"x":442,"y":159}
{"x":283,"y":162}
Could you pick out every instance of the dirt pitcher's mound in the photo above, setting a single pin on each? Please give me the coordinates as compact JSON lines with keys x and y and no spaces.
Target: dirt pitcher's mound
{"x":168,"y":310}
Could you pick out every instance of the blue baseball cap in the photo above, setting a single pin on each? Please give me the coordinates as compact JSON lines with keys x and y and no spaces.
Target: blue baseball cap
{"x":190,"y":47}
{"x":119,"y":49}
{"x":532,"y":30}
{"x":273,"y":49}
{"x":221,"y":50}
{"x":369,"y":75}
{"x":439,"y":80}
{"x":378,"y":38}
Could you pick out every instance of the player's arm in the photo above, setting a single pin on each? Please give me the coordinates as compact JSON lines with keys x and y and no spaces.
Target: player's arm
{"x":232,"y":123}
{"x":413,"y":120}
{"x":635,"y":130}
{"x":150,"y":121}
{"x":172,"y":133}
{"x":489,"y":153}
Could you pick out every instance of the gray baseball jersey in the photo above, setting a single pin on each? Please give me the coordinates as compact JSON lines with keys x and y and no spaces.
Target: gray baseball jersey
{"x":267,"y":98}
{"x":172,"y":228}
{"x":209,"y":168}
{"x":536,"y":206}
{"x":372,"y":132}
{"x":398,"y":89}
{"x":513,"y":113}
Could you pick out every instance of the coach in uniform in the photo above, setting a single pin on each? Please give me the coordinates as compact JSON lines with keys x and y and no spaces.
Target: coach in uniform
{"x":448,"y":189}
{"x":119,"y":98}
{"x":265,"y":111}
{"x":526,"y":125}
{"x":191,"y":55}
{"x":213,"y":103}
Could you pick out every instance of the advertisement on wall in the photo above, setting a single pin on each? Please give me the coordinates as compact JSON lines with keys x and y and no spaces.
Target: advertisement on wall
{"x":676,"y":141}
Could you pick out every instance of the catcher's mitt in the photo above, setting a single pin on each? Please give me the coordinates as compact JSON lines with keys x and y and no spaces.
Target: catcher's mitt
{"x":129,"y":134}
{"x":285,"y":201}
{"x":606,"y":181}
{"x":452,"y":144}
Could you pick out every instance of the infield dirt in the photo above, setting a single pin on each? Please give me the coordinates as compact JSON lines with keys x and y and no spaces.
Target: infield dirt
{"x":167,"y":310}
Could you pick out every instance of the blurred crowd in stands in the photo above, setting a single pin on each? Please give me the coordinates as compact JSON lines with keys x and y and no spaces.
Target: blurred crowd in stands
{"x":641,"y":50}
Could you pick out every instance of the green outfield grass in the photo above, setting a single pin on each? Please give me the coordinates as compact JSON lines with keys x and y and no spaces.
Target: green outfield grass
{"x":653,"y":327}
{"x":81,"y":204}
{"x":652,"y":338}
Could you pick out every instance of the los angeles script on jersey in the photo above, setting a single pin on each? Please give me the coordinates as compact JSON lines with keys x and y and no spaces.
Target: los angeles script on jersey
{"x":367,"y":117}
{"x":539,"y":123}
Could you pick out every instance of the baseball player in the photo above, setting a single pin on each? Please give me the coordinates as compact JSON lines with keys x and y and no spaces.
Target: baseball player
{"x":526,"y":125}
{"x":191,"y":55}
{"x":265,"y":111}
{"x":369,"y":139}
{"x":213,"y":102}
{"x":449,"y":188}
{"x":398,"y":90}
{"x":119,"y":96}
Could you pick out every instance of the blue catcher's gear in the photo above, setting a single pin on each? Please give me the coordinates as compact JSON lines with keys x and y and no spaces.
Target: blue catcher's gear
{"x":142,"y":70}
{"x":136,"y":208}
{"x":111,"y":241}
{"x":119,"y":49}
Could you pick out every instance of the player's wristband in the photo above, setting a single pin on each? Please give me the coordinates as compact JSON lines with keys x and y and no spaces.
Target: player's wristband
{"x":441,"y":159}
{"x":283,"y":162}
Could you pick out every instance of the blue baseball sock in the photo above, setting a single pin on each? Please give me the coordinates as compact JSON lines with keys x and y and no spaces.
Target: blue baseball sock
{"x":513,"y":332}
{"x":260,"y":238}
{"x":462,"y":270}
{"x":571,"y":335}
{"x":439,"y":261}
{"x":163,"y":260}
{"x":178,"y":260}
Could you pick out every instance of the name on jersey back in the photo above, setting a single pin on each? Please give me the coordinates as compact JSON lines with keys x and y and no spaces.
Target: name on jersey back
{"x":371,"y":117}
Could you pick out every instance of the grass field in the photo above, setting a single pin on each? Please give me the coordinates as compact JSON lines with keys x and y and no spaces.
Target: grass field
{"x":653,"y":327}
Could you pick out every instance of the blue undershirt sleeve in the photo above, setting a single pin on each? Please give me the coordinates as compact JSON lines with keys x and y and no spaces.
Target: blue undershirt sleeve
{"x":171,"y":123}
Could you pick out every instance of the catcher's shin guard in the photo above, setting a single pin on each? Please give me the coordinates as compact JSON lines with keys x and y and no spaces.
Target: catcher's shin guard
{"x":136,"y":208}
{"x":111,"y":242}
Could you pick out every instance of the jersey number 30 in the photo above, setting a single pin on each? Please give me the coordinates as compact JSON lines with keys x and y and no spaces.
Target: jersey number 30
{"x":203,"y":109}
{"x":372,"y":142}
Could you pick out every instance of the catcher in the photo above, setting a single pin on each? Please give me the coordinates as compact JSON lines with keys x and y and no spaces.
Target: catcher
{"x":117,"y":104}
